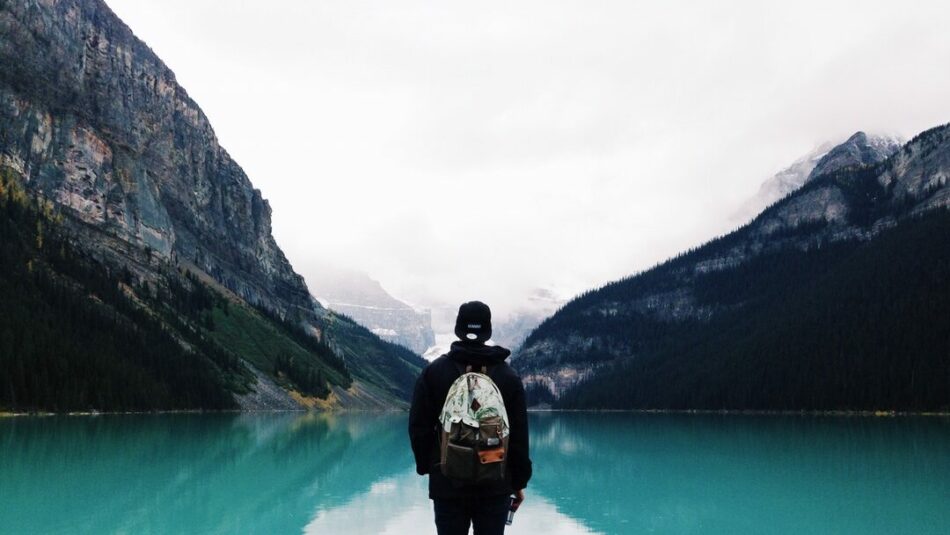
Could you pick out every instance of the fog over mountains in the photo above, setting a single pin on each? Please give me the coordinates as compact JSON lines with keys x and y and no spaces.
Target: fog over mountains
{"x":358,"y":296}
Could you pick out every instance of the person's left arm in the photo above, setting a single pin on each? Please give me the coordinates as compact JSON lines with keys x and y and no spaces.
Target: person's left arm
{"x":421,"y":427}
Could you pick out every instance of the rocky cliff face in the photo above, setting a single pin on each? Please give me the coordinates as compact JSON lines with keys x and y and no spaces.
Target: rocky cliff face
{"x":94,"y":121}
{"x":855,"y":202}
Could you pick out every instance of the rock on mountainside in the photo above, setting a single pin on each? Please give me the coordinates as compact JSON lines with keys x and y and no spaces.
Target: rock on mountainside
{"x":637,"y":328}
{"x":859,"y":149}
{"x":781,"y":184}
{"x":364,"y":299}
{"x":93,"y":121}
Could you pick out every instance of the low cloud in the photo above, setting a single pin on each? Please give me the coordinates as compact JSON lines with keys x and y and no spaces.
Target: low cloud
{"x":456,"y":150}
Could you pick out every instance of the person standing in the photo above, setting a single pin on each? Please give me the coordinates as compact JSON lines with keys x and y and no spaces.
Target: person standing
{"x":458,"y":505}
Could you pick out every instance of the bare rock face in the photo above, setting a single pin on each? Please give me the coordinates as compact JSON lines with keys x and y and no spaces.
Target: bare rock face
{"x":94,"y":121}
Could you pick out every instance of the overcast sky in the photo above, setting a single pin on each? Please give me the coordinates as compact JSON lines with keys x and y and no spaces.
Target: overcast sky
{"x":459,"y":150}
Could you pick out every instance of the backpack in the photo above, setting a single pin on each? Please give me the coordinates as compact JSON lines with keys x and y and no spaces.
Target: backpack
{"x":474,"y":441}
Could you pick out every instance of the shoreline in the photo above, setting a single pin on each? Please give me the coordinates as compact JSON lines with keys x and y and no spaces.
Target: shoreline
{"x":696,"y":412}
{"x":8,"y":414}
{"x":750,"y":412}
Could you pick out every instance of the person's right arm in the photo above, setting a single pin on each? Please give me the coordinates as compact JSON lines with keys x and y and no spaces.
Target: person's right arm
{"x":519,"y":460}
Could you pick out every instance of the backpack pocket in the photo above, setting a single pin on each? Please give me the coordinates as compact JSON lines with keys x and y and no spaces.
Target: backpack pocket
{"x":491,"y":465}
{"x":494,"y":455}
{"x":489,"y":433}
{"x":460,"y":462}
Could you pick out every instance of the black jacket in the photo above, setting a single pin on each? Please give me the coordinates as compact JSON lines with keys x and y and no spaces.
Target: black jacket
{"x":431,"y":389}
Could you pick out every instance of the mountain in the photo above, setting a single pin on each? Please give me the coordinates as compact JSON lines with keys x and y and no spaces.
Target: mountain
{"x":510,"y":326}
{"x":859,"y":149}
{"x":833,"y":298}
{"x":103,"y":150}
{"x":511,"y":330}
{"x":358,"y":296}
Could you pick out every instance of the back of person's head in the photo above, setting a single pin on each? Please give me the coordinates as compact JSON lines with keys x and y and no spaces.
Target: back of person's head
{"x":473,"y":322}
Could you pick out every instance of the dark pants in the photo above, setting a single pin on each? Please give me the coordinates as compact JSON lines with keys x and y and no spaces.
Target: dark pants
{"x":486,"y":513}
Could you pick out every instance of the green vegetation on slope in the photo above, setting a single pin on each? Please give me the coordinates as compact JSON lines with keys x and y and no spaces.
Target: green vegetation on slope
{"x":77,"y":334}
{"x":378,"y":362}
{"x":72,"y":337}
{"x":270,"y":346}
{"x":847,"y":326}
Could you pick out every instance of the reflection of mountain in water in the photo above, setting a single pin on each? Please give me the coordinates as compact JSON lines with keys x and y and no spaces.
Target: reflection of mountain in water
{"x":594,"y":472}
{"x":399,"y":506}
{"x":199,"y":473}
{"x":630,"y":473}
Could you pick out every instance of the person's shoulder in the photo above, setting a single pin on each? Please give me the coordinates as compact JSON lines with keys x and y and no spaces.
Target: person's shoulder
{"x":436,"y":365}
{"x":508,"y":374}
{"x":439,"y":361}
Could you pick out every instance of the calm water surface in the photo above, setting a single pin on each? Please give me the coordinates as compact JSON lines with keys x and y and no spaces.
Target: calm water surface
{"x":353,"y":473}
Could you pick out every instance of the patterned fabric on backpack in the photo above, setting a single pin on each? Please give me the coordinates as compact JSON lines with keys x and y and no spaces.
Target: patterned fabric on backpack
{"x":474,"y":429}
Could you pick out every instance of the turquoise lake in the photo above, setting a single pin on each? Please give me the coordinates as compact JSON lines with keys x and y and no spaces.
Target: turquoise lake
{"x":594,"y":473}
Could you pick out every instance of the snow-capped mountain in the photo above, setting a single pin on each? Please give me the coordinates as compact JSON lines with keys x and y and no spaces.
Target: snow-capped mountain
{"x":509,"y":327}
{"x":511,"y":330}
{"x":859,"y":149}
{"x":365,"y":300}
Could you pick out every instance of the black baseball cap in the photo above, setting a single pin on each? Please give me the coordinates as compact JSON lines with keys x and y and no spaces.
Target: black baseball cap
{"x":474,"y":318}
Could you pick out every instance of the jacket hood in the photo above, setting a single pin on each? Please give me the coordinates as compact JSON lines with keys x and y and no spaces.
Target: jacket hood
{"x":477,"y":353}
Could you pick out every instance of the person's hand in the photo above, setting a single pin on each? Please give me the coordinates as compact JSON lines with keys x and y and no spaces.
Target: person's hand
{"x":519,"y":497}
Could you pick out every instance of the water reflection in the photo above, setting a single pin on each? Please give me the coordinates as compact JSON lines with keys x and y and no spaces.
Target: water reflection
{"x":398,"y":506}
{"x":629,"y":473}
{"x":194,"y":473}
{"x":353,"y":473}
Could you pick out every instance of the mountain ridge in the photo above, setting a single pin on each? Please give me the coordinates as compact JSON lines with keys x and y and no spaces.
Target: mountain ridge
{"x":858,"y":149}
{"x":630,"y":319}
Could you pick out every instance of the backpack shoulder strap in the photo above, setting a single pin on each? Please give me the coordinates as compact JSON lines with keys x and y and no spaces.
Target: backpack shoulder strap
{"x":468,"y":368}
{"x":493,"y":368}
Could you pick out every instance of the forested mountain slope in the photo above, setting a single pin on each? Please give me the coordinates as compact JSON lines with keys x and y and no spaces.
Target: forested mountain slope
{"x":835,"y":297}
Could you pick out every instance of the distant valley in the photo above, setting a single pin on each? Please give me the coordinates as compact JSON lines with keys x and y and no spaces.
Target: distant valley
{"x":363,"y":299}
